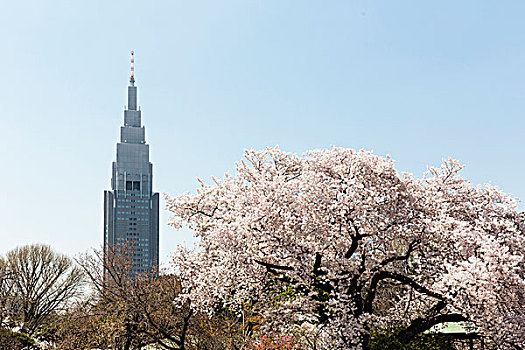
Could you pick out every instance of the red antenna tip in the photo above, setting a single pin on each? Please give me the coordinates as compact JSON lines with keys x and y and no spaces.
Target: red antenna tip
{"x":132,"y":77}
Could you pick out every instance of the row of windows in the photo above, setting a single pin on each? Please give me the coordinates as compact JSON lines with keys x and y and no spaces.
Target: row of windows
{"x":133,"y":206}
{"x":133,"y":239}
{"x":141,"y":250}
{"x":133,"y":212}
{"x":127,"y":194}
{"x":132,"y":200}
{"x":133,"y":219}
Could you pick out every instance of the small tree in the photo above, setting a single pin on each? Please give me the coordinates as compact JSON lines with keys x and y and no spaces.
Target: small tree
{"x":38,"y":284}
{"x":336,"y":244}
{"x":127,"y":311}
{"x":5,"y":307}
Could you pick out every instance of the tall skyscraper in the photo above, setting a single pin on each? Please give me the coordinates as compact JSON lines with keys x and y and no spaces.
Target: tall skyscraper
{"x":131,"y":208}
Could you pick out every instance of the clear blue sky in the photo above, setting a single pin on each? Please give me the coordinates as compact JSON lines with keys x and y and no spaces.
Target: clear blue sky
{"x":419,"y":80}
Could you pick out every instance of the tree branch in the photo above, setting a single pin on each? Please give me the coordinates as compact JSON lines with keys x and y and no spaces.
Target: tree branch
{"x":381,"y":275}
{"x":402,"y":257}
{"x":270,"y":266}
{"x":420,"y":325}
{"x":353,"y":246}
{"x":317,"y":264}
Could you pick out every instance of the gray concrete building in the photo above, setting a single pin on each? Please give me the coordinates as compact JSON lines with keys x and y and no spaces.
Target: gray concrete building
{"x":131,"y":208}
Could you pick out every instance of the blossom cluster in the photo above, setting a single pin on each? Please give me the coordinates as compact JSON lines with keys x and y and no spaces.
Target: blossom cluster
{"x":337,"y":242}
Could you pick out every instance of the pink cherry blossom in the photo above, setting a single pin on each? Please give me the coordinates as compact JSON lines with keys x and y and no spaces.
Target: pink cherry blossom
{"x":335,"y":243}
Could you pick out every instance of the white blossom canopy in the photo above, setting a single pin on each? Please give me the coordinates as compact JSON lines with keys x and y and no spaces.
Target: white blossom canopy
{"x":337,"y":243}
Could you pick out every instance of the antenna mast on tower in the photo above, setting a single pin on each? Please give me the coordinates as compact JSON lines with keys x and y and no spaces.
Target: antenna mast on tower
{"x":132,"y":77}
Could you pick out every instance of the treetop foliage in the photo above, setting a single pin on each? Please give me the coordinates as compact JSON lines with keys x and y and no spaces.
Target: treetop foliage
{"x":336,"y":243}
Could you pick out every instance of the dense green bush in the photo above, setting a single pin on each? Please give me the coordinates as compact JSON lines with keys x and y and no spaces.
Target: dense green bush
{"x":10,"y":340}
{"x":388,"y":340}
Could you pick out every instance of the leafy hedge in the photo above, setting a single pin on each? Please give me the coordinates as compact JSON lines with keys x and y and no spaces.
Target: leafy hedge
{"x":10,"y":340}
{"x":388,"y":340}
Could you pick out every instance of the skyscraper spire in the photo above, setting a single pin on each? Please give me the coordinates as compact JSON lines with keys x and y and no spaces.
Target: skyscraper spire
{"x":132,"y":77}
{"x":131,"y":208}
{"x":132,"y":89}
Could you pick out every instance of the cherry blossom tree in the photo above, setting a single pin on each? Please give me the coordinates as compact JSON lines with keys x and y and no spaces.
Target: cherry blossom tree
{"x":336,"y":244}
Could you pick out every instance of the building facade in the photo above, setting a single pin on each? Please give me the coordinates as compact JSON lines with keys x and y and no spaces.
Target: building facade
{"x":131,"y":208}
